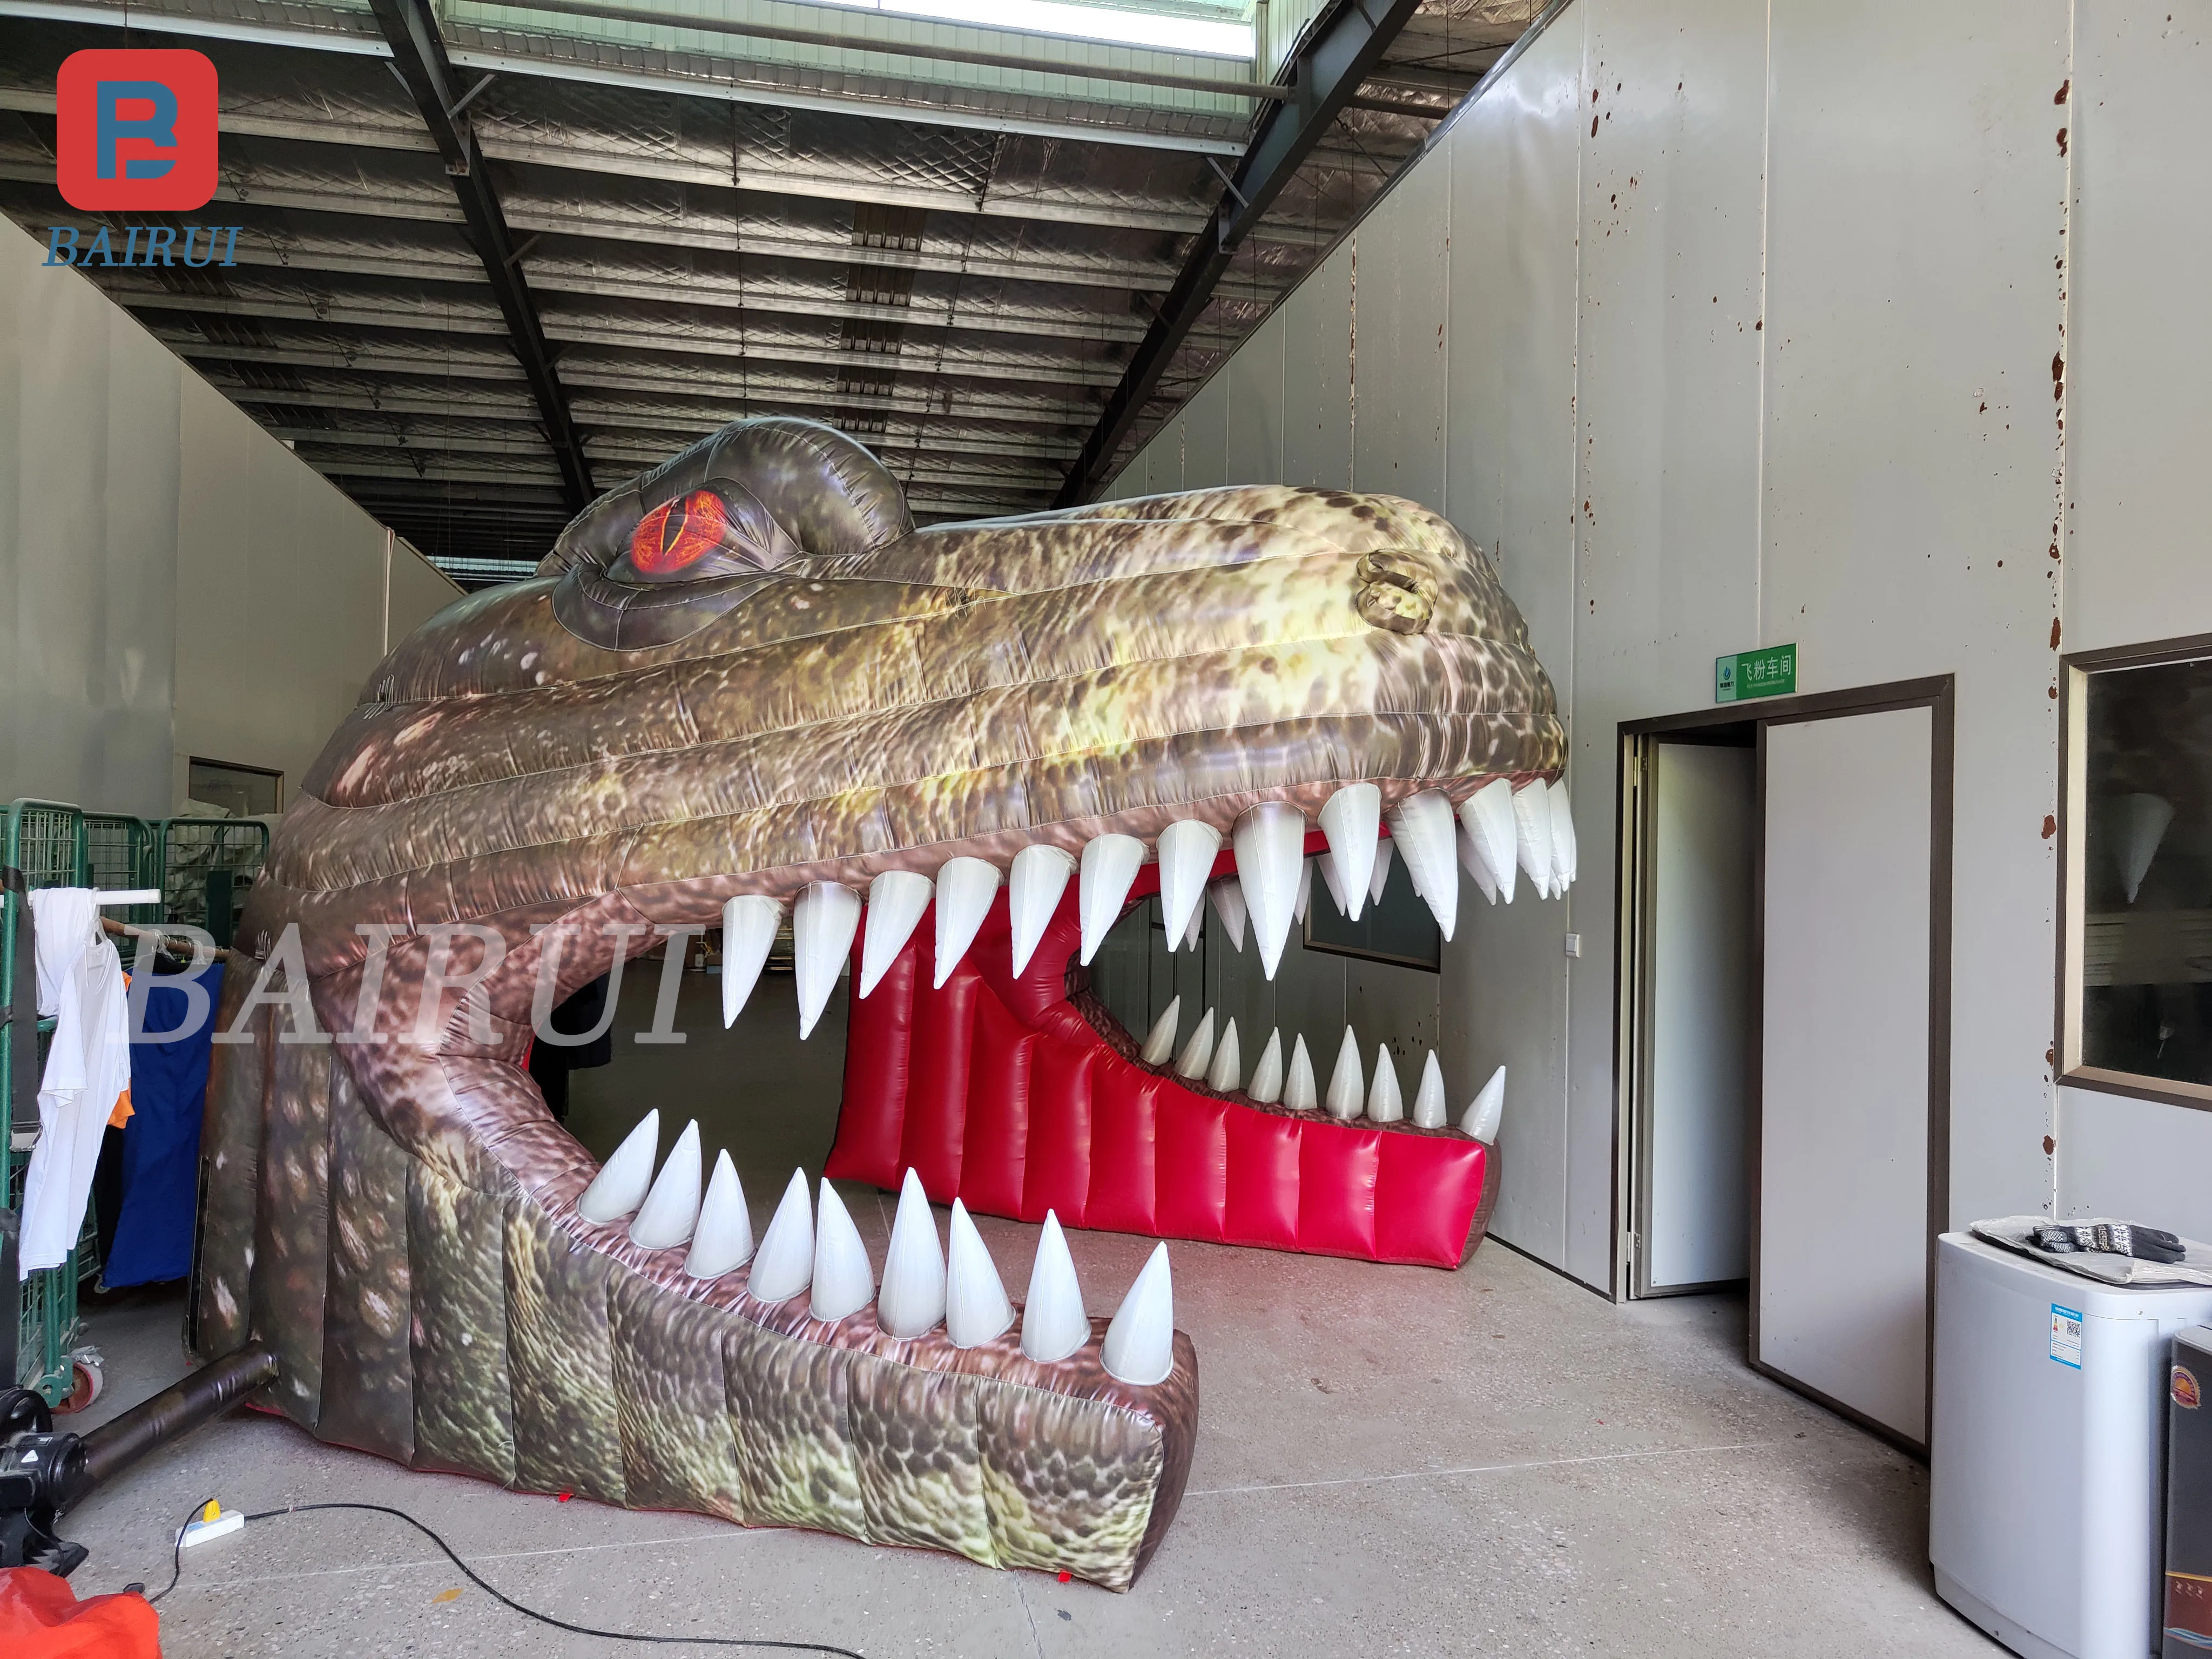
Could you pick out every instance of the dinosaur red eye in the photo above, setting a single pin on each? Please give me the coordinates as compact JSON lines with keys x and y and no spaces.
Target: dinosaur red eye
{"x":676,"y":535}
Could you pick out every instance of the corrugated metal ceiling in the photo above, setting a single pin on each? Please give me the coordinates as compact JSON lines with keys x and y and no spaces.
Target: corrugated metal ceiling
{"x":954,"y":261}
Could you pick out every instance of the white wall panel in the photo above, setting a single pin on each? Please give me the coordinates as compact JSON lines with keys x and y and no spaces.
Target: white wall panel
{"x":1316,"y":376}
{"x":2138,"y":403}
{"x":1205,"y":436}
{"x":1913,"y":233}
{"x":2139,"y":368}
{"x":1401,"y":253}
{"x":1667,"y":493}
{"x":1163,"y":459}
{"x":1255,"y":378}
{"x":88,"y":519}
{"x":1513,"y":160}
{"x":175,"y":580}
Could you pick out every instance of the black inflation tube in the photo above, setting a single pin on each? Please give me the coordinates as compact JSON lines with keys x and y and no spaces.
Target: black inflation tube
{"x":115,"y":1446}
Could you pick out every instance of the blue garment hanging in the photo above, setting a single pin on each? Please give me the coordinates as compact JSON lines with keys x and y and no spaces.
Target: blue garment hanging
{"x":162,"y":1140}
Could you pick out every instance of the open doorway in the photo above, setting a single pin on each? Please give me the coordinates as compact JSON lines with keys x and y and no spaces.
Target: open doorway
{"x":1690,"y":904}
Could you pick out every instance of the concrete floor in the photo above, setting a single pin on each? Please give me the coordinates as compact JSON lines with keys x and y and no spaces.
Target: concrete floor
{"x":1390,"y":1460}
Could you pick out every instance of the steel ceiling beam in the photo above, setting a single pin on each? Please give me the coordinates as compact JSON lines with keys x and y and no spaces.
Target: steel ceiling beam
{"x":419,"y":55}
{"x":753,"y":345}
{"x":646,"y":378}
{"x":1326,"y":74}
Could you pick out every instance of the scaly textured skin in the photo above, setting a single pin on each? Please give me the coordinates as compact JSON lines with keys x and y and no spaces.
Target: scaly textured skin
{"x":830,"y":694}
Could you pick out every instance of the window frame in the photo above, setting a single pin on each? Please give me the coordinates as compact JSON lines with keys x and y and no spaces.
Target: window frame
{"x":268,"y":772}
{"x":2074,"y":669}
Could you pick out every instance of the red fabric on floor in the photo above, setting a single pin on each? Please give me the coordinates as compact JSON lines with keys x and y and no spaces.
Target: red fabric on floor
{"x":40,"y":1617}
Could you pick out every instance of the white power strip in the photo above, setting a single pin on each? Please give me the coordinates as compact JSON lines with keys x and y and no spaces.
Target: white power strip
{"x":203,"y":1532}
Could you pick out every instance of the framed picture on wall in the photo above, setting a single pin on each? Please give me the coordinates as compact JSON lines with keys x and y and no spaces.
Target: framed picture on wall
{"x":1401,"y":929}
{"x":2134,"y":980}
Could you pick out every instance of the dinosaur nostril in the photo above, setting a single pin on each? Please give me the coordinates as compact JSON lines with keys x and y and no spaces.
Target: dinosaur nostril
{"x":1385,"y":605}
{"x":1397,"y":593}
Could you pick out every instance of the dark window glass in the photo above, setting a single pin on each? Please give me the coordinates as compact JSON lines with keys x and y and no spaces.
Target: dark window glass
{"x":2147,"y":880}
{"x":243,"y":791}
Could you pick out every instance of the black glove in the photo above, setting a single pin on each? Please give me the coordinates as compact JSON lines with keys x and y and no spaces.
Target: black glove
{"x":2113,"y":1238}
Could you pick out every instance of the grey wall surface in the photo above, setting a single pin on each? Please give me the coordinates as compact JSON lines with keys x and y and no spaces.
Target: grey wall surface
{"x":174,"y":581}
{"x":1719,"y":324}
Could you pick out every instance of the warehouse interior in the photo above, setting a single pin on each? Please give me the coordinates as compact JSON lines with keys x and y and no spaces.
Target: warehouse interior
{"x":1808,"y":394}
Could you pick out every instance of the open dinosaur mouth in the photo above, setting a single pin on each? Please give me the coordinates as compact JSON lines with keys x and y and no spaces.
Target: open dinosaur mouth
{"x":979,"y":1058}
{"x":777,"y":692}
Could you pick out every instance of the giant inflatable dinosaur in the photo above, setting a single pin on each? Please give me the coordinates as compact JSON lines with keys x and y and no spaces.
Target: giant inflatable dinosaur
{"x":743,"y":687}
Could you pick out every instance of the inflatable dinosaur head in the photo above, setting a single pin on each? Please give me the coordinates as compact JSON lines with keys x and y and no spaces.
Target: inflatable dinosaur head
{"x":743,"y":688}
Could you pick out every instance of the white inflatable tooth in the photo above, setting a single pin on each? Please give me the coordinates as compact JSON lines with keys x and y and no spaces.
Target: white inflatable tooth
{"x":625,"y":1178}
{"x":1197,"y":1053}
{"x":784,"y":1264}
{"x":844,"y":1283}
{"x":723,"y":1240}
{"x":1532,"y":826}
{"x":1563,"y":838}
{"x":1187,"y":848}
{"x":822,"y":925}
{"x":1034,"y":890}
{"x":1266,"y":1084}
{"x":1351,"y":819}
{"x":1229,"y":904}
{"x":671,"y":1212}
{"x":1270,"y":840}
{"x":1384,"y":1103}
{"x":1053,"y":1323}
{"x":1298,"y":1092}
{"x":1109,"y":864}
{"x":1482,"y":1117}
{"x":1139,"y":1345}
{"x":1471,"y":860}
{"x":1227,"y":1069}
{"x":1336,"y":893}
{"x":1488,"y":815}
{"x":896,"y":899}
{"x":1190,"y":934}
{"x":965,"y":888}
{"x":1347,"y":1085}
{"x":912,"y":1299}
{"x":1422,"y":829}
{"x":1380,"y":878}
{"x":750,"y":924}
{"x":1431,"y":1109}
{"x":1305,"y":891}
{"x":976,"y":1306}
{"x":1159,"y":1041}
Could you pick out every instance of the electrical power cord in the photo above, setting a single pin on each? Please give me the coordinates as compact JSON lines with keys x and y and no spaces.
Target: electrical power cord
{"x":177,"y":1570}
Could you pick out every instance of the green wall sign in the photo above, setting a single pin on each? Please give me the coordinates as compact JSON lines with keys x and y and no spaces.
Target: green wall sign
{"x":1771,"y":672}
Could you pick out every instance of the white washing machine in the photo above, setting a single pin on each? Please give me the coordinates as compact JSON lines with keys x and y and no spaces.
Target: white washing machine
{"x":2048,"y":1450}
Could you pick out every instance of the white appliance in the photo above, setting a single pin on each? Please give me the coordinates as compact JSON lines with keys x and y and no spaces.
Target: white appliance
{"x":2047,"y":1451}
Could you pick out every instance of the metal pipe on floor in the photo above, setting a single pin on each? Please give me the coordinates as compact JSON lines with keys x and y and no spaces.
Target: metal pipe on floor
{"x":115,"y":1446}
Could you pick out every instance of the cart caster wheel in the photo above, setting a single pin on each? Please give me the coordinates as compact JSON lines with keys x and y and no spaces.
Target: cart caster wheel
{"x":86,"y":1381}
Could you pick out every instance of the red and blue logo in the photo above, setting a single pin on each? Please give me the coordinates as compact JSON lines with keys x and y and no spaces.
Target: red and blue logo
{"x":135,"y":131}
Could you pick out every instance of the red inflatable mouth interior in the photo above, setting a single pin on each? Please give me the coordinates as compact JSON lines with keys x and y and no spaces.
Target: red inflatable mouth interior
{"x":1000,"y":1091}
